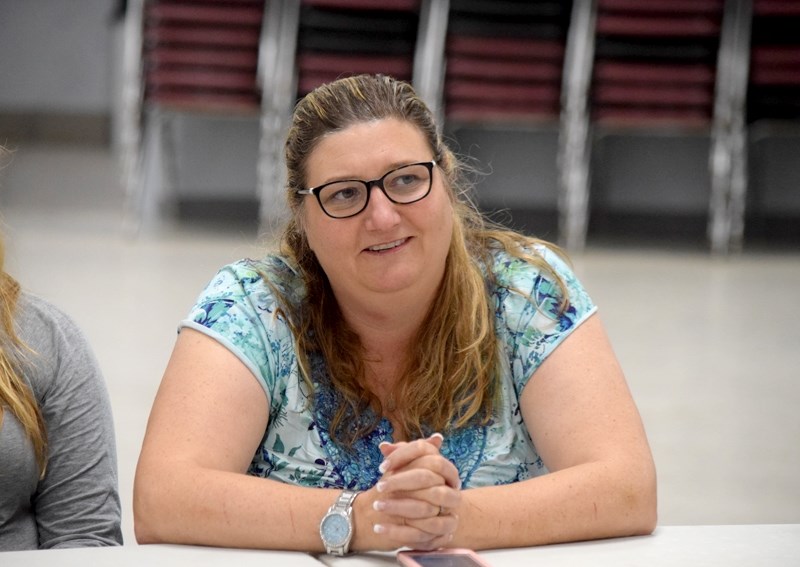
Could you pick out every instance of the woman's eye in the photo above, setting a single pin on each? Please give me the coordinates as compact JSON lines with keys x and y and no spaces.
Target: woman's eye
{"x":342,"y":194}
{"x":404,"y":181}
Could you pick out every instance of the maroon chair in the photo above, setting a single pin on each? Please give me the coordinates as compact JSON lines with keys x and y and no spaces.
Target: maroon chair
{"x":773,"y":117}
{"x":774,"y":82}
{"x":501,"y":78}
{"x":341,"y":38}
{"x":655,"y":62}
{"x":660,"y":67}
{"x":202,"y":56}
{"x":198,"y":57}
{"x":504,"y":61}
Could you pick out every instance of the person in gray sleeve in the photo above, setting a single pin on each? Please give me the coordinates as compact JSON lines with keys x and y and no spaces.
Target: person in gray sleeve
{"x":58,"y":463}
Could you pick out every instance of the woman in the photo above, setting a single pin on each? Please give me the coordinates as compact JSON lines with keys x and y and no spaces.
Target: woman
{"x":397,"y":348}
{"x":58,"y":464}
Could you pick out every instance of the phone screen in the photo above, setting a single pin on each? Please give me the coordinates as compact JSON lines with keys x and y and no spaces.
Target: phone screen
{"x":448,"y":560}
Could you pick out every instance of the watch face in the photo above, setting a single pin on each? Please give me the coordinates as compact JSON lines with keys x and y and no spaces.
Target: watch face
{"x":335,"y":529}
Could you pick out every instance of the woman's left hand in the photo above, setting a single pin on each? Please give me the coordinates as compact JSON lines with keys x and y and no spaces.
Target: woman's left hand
{"x":420,"y":490}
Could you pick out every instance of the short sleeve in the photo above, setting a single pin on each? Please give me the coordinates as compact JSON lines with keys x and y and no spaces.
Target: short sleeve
{"x":530,"y":321}
{"x":240,"y":310}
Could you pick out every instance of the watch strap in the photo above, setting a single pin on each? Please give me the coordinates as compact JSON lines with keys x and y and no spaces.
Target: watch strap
{"x":343,"y":505}
{"x":345,"y":500}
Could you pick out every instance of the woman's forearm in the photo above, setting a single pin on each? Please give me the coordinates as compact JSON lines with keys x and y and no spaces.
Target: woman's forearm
{"x":588,"y":501}
{"x":227,"y":509}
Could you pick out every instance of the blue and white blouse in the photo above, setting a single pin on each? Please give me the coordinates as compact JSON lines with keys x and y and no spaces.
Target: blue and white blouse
{"x":239,"y":310}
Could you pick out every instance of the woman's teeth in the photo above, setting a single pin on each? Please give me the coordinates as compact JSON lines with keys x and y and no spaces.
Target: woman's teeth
{"x":386,"y":246}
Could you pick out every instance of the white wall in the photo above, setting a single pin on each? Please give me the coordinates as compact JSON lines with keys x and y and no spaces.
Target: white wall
{"x":56,"y":55}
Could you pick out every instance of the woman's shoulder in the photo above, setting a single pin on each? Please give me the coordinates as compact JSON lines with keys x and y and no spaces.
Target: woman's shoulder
{"x":247,"y":291}
{"x":540,"y":273}
{"x":40,"y":321}
{"x":60,"y":355}
{"x":262,"y":275}
{"x":535,"y":259}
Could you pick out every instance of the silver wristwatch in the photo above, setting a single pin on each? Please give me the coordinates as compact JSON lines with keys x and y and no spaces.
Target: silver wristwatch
{"x":336,"y":527}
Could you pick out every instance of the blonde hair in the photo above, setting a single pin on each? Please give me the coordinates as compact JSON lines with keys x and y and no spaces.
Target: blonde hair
{"x":15,"y":394}
{"x":450,"y":376}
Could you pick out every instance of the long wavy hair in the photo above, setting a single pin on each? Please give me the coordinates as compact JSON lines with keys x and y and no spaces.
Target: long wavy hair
{"x":15,"y":394}
{"x":450,"y":377}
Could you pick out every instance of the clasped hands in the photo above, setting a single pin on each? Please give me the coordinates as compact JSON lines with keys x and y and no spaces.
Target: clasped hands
{"x":417,"y":500}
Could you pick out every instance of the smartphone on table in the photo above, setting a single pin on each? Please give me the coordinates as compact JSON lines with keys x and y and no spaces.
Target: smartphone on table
{"x":441,"y":558}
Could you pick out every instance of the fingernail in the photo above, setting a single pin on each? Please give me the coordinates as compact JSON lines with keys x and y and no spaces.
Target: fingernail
{"x":439,"y":435}
{"x":381,"y":486}
{"x":378,"y":529}
{"x":384,"y":466}
{"x":379,"y":505}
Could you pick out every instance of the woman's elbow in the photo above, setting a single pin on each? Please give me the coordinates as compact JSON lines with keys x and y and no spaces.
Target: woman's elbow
{"x":149,"y":510}
{"x":144,"y":526}
{"x":643,"y":498}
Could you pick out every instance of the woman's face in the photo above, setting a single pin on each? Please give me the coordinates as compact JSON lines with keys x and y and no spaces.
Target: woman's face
{"x":387,"y":248}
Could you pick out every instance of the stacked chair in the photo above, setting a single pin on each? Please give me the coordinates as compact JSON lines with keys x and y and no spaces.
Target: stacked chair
{"x":655,"y":62}
{"x":504,"y":60}
{"x":774,"y":87}
{"x":581,"y":67}
{"x":773,"y":109}
{"x":342,"y":38}
{"x":200,"y":57}
{"x":653,"y":66}
{"x":500,"y":78}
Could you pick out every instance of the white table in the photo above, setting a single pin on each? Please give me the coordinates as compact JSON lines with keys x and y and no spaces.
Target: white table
{"x":670,"y":546}
{"x":156,"y":556}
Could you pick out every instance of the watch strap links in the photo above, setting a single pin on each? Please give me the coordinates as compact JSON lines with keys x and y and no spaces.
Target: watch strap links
{"x":342,"y":506}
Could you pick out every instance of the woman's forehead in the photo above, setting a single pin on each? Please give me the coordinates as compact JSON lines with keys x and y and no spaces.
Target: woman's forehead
{"x":365,"y":146}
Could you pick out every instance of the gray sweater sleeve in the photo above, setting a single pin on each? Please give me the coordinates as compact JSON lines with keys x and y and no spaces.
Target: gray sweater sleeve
{"x":77,"y":503}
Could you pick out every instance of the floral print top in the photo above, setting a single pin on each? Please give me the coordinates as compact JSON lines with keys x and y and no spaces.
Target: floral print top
{"x":239,"y":310}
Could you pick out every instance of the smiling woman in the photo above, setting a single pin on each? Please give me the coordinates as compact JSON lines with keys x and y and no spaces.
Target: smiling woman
{"x":388,"y":247}
{"x":399,"y":373}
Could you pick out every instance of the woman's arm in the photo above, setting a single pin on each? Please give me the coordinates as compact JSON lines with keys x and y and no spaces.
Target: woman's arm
{"x":207,"y":421}
{"x":77,"y":502}
{"x":584,"y":423}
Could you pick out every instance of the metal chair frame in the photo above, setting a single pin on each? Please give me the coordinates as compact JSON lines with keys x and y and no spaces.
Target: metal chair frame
{"x":728,"y":175}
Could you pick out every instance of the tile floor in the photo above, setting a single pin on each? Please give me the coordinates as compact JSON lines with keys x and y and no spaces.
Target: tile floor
{"x":711,"y":346}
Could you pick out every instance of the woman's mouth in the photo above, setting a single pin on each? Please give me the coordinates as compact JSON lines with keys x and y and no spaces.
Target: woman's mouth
{"x":387,"y":245}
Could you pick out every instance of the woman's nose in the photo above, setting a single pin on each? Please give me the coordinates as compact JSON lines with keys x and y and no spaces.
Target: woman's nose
{"x":381,"y":213}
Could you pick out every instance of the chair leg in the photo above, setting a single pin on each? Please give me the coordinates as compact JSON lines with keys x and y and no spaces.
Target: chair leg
{"x":131,"y":140}
{"x":278,"y":99}
{"x":574,"y":135}
{"x":728,"y":159}
{"x":148,"y":183}
{"x":271,"y":177}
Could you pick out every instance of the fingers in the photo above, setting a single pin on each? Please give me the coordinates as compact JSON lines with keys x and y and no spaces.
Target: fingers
{"x":421,"y":454}
{"x":419,"y":504}
{"x":420,"y":446}
{"x":418,"y":495}
{"x":424,"y":472}
{"x":427,"y":533}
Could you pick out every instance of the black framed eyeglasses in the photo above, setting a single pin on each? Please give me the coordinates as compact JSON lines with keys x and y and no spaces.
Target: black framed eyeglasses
{"x":346,"y":198}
